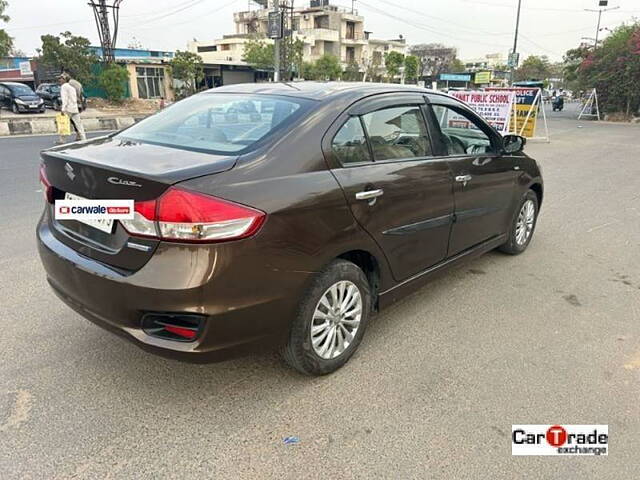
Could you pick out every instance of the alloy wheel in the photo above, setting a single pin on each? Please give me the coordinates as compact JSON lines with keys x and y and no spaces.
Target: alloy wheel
{"x":336,"y":319}
{"x":526,"y":219}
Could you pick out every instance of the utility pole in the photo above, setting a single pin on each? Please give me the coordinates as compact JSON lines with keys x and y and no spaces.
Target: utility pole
{"x":107,"y":37}
{"x":276,"y":46}
{"x":515,"y":44}
{"x":603,"y":3}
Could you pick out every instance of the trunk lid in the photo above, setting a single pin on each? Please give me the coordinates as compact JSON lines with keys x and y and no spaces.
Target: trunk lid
{"x":112,"y":168}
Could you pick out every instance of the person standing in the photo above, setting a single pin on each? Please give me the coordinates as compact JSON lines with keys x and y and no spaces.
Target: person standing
{"x":69,"y":101}
{"x":79,"y":93}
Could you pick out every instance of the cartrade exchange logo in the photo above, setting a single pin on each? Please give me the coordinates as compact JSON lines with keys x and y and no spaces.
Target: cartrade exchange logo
{"x":560,"y":440}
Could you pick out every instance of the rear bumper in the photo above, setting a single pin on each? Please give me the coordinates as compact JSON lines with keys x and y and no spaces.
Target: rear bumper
{"x":248,"y":305}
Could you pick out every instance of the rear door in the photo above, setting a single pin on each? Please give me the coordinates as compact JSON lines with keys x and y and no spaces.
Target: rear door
{"x":380,"y":152}
{"x":484,"y":180}
{"x":4,"y":93}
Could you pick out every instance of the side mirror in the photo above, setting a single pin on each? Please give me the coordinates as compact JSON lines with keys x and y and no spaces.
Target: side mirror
{"x":513,"y":143}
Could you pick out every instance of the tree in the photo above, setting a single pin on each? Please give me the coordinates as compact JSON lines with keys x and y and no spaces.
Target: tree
{"x":435,"y":58}
{"x":6,"y":42}
{"x":259,"y":54}
{"x":457,"y":66}
{"x":352,"y":73}
{"x":411,"y":65}
{"x":187,"y":67}
{"x":613,"y":69}
{"x":327,"y":67}
{"x":393,"y":61}
{"x":296,"y":56}
{"x":135,"y":44}
{"x":113,"y":79}
{"x":68,"y":53}
{"x":534,"y":68}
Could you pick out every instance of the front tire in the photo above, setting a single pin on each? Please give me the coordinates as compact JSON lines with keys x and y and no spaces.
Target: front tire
{"x":331,"y":320}
{"x":523,"y":225}
{"x":14,"y":108}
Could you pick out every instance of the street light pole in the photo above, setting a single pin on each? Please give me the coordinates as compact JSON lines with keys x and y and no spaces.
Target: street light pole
{"x":599,"y":11}
{"x":515,"y":42}
{"x":276,"y":49}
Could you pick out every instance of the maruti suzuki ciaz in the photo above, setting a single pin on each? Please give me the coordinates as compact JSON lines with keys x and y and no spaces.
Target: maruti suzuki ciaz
{"x":281,"y":215}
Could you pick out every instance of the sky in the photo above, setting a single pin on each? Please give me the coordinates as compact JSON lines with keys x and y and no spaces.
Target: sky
{"x":475,"y":27}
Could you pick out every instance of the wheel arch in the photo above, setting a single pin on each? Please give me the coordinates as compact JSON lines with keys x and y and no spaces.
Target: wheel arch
{"x":538,"y":190}
{"x":370,"y":265}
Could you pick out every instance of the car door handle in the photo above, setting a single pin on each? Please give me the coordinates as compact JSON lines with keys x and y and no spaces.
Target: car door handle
{"x":369,"y":194}
{"x":463,"y":178}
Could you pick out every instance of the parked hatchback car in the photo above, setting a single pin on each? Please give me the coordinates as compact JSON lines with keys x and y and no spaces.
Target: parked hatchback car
{"x":20,"y":98}
{"x":285,"y":229}
{"x":50,"y":94}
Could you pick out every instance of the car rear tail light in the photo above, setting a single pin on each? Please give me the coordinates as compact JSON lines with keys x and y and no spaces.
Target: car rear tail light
{"x":47,"y":188}
{"x":183,"y":216}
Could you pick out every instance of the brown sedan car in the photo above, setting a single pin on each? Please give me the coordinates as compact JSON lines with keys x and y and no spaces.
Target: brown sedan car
{"x":281,"y":215}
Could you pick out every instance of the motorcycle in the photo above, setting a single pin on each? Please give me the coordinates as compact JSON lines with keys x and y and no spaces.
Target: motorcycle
{"x":558,"y":104}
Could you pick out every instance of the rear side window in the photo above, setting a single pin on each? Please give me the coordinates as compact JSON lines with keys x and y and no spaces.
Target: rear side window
{"x":350,"y":143}
{"x":398,"y":133}
{"x":215,"y":122}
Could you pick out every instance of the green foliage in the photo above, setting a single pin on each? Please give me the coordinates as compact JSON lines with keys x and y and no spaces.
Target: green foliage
{"x":6,"y":42}
{"x":259,"y":54}
{"x":411,"y":65}
{"x":534,"y":68}
{"x":613,"y":69}
{"x":457,"y":66}
{"x":327,"y":67}
{"x":113,"y":79}
{"x":68,"y":53}
{"x":187,"y":67}
{"x":352,"y":73}
{"x":296,"y":56}
{"x":393,"y":61}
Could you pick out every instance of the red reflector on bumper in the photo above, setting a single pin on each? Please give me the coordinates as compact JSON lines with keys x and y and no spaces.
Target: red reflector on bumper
{"x":183,"y":332}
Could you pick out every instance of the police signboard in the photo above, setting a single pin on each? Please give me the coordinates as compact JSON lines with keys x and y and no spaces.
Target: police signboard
{"x":275,"y":25}
{"x":455,"y":77}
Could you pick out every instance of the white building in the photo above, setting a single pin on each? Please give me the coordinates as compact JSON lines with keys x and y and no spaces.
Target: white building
{"x":322,"y":27}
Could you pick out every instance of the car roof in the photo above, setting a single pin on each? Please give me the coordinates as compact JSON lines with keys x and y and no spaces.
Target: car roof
{"x":319,"y":90}
{"x":14,"y":84}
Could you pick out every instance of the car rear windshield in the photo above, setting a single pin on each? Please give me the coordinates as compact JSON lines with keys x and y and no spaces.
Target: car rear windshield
{"x":216,"y":122}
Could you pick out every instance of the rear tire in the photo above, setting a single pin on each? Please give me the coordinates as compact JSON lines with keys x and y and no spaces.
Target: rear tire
{"x":337,"y":307}
{"x":523,"y":225}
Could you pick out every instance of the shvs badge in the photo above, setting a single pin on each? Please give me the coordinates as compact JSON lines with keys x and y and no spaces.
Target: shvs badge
{"x":560,"y":440}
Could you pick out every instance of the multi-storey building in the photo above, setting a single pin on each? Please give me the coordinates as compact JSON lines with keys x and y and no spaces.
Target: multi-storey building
{"x":322,"y":27}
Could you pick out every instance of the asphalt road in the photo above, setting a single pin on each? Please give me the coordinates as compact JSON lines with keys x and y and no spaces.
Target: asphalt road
{"x":551,"y":336}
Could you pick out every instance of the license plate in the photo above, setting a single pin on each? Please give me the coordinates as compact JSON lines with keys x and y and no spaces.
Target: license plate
{"x":103,"y":224}
{"x":33,"y":106}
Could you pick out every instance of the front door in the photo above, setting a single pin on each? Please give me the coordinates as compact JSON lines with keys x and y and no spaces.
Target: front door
{"x":397,"y":191}
{"x":484,"y":180}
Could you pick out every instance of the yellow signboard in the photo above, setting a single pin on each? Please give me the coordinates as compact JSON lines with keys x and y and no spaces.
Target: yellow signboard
{"x":482,"y":77}
{"x":524,"y":120}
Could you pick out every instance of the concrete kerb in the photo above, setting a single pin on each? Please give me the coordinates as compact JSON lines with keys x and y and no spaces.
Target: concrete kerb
{"x":34,"y":125}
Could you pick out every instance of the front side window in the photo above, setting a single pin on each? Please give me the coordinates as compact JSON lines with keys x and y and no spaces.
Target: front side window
{"x":350,"y":143}
{"x":460,"y":132}
{"x":214,"y":122}
{"x":397,"y":133}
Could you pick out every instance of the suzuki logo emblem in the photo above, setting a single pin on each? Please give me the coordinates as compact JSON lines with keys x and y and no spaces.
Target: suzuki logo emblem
{"x":69,"y":170}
